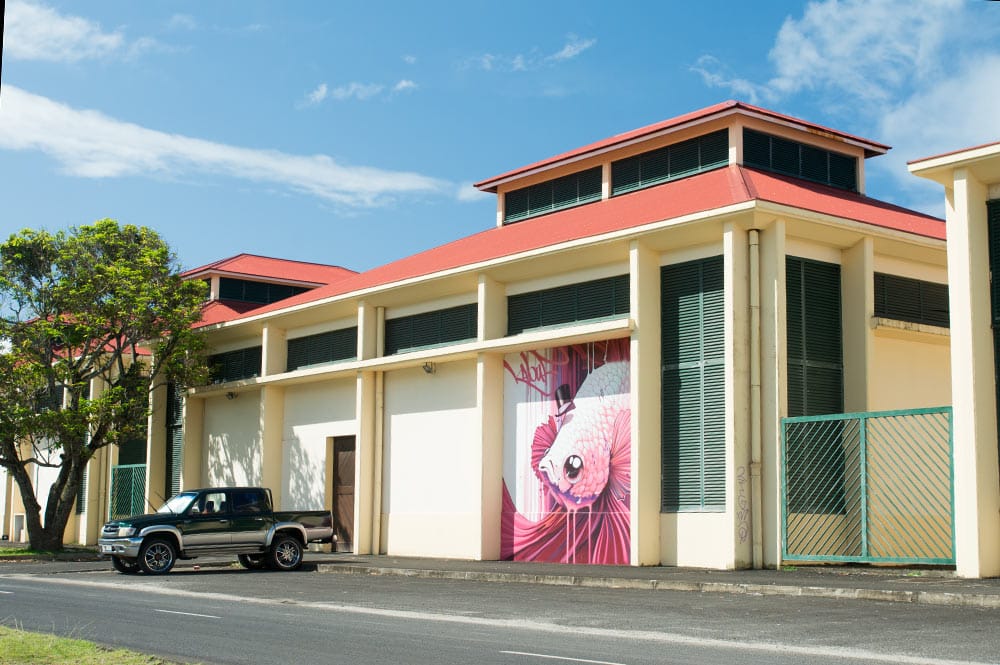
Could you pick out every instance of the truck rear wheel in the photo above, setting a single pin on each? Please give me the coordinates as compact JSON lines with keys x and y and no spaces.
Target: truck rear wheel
{"x":285,"y":553}
{"x":157,"y":556}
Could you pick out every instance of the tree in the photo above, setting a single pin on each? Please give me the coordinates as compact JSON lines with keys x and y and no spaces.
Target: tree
{"x":91,"y":321}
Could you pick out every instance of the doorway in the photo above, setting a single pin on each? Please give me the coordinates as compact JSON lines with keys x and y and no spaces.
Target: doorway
{"x":343,"y":493}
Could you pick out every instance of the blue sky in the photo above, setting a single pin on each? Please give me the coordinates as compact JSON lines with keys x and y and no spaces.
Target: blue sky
{"x":350,"y":133}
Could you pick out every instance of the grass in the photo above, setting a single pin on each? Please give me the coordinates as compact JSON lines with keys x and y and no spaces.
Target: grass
{"x":19,"y":647}
{"x":27,"y":553}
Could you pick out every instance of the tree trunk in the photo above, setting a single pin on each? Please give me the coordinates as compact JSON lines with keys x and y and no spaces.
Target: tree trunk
{"x":62,"y":496}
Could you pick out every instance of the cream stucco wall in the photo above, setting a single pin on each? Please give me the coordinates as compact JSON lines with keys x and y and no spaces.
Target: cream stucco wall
{"x":908,"y":372}
{"x":703,"y":540}
{"x":232,"y":441}
{"x":313,"y":413}
{"x":431,"y":464}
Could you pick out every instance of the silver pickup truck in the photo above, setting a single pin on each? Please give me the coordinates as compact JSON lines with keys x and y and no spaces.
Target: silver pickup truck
{"x":219,"y":520}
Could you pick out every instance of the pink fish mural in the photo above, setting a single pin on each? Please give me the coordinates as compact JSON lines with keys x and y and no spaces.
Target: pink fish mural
{"x":575,"y":491}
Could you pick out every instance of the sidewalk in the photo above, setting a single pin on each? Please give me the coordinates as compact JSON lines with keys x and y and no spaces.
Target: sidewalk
{"x":930,"y":586}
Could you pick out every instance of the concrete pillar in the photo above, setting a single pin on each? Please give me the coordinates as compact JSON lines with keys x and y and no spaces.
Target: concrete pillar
{"x":489,"y":404}
{"x":365,"y":537}
{"x":857,"y":286}
{"x":492,"y":309}
{"x":736,"y":251}
{"x":6,"y":515}
{"x":194,"y":462}
{"x":272,"y":425}
{"x":773,"y":377}
{"x":645,"y":362}
{"x":157,"y":483}
{"x":974,"y":431}
{"x":274,"y":351}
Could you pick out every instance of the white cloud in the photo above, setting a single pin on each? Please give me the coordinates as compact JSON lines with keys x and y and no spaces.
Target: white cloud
{"x":467,"y":193}
{"x":410,"y":59}
{"x":534,"y":59}
{"x":91,"y":144}
{"x":37,"y":32}
{"x":920,"y":75}
{"x":574,"y":47}
{"x":182,"y":22}
{"x":404,"y":85}
{"x":317,"y":95}
{"x":359,"y":91}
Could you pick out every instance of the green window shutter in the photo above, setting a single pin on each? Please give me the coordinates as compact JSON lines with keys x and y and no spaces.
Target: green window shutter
{"x":693,"y":418}
{"x":235,"y":365}
{"x":81,"y":493}
{"x":586,"y":301}
{"x":175,"y":439}
{"x":815,"y":355}
{"x":815,"y":384}
{"x":552,"y":195}
{"x":801,"y":160}
{"x":441,"y":326}
{"x":675,"y":161}
{"x":914,"y":300}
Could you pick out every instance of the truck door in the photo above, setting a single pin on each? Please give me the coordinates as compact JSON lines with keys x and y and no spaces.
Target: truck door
{"x":248,"y":525}
{"x":206,"y":524}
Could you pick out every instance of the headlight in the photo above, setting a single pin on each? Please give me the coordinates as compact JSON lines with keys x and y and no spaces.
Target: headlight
{"x":126,"y":531}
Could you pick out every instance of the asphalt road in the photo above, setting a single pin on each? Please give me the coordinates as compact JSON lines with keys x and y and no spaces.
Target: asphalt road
{"x":222,"y":616}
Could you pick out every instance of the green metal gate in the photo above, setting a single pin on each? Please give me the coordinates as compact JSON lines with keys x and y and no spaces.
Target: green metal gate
{"x":869,"y":487}
{"x":128,"y":491}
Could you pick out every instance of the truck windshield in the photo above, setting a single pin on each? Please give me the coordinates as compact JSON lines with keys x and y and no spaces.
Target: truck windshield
{"x":178,"y":503}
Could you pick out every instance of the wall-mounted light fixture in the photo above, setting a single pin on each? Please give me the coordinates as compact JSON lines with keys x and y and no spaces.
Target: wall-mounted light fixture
{"x":429,"y":368}
{"x":232,"y":395}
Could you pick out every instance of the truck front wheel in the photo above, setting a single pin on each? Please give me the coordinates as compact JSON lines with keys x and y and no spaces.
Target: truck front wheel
{"x":157,"y":556}
{"x":125,"y":566}
{"x":285,"y":553}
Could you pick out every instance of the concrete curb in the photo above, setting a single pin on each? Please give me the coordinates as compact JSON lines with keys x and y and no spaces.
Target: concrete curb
{"x":984,"y":601}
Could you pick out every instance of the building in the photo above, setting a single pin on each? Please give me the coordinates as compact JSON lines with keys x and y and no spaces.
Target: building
{"x":971,"y":181}
{"x":608,"y":374}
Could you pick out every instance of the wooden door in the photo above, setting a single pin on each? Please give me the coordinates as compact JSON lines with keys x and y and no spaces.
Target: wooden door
{"x":343,"y":493}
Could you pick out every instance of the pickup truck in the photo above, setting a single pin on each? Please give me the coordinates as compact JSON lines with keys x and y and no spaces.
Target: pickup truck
{"x":221,"y":520}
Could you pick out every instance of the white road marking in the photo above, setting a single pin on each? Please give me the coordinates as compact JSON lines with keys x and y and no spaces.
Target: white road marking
{"x":862,"y":655}
{"x":7,"y":592}
{"x":573,"y":660}
{"x":190,"y":614}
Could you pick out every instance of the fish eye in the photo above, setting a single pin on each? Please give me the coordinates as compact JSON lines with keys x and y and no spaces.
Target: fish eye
{"x":573,"y":467}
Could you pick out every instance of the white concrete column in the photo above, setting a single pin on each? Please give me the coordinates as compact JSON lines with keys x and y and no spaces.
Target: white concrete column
{"x":274,"y":351}
{"x":194,"y":464}
{"x":974,"y":431}
{"x":272,"y":427}
{"x":490,"y":407}
{"x":492,"y":309}
{"x":773,"y":377}
{"x":156,"y":447}
{"x":857,"y":285}
{"x":365,"y":537}
{"x":736,"y":277}
{"x":645,"y":362}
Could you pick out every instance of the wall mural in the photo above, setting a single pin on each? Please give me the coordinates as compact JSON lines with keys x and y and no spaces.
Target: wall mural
{"x":567,"y":454}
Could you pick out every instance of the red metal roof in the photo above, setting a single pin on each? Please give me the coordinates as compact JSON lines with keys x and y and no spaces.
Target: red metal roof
{"x":265,"y":267}
{"x":220,"y":311}
{"x":701,"y":193}
{"x":871,"y":147}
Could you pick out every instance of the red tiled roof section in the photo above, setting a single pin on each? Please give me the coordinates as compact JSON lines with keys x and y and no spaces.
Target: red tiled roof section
{"x":265,"y":267}
{"x":839,"y":203}
{"x":871,"y":147}
{"x":701,"y":193}
{"x":220,"y":311}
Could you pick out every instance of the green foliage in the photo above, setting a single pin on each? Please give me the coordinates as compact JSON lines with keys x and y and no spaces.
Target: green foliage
{"x":91,"y":320}
{"x":19,"y":647}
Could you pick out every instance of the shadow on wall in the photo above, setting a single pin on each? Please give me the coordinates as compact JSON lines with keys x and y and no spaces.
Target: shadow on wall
{"x":304,"y":477}
{"x":233,"y":464}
